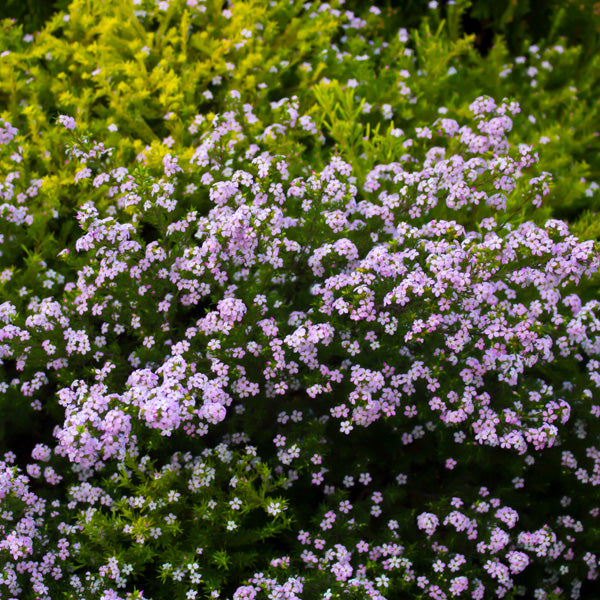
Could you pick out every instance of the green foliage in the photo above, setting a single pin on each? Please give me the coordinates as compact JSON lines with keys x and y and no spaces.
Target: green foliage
{"x":186,"y":514}
{"x":32,"y":14}
{"x":540,"y":21}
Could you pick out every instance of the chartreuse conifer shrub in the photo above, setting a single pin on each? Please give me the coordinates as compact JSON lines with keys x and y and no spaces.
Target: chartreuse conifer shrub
{"x":301,"y":350}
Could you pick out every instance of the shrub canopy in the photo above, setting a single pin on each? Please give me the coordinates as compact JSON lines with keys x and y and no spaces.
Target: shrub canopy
{"x":288,"y":310}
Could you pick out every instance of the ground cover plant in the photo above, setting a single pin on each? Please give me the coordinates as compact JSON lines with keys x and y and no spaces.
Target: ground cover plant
{"x":285,"y":314}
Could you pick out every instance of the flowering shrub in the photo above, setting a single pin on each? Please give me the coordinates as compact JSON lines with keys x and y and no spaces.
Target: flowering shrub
{"x":294,"y":355}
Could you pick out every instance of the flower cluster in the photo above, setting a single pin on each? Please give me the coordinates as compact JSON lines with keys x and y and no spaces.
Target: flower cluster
{"x":392,"y":341}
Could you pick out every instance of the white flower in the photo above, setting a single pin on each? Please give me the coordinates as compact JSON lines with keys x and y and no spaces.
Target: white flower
{"x":274,"y":508}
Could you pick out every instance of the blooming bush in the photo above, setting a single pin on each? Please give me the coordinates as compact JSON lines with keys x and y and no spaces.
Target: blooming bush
{"x":294,"y":353}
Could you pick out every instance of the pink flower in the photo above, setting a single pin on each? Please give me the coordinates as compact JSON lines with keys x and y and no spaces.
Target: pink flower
{"x":213,"y":413}
{"x":428,"y":522}
{"x":67,"y":122}
{"x":231,"y":309}
{"x":450,"y":463}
